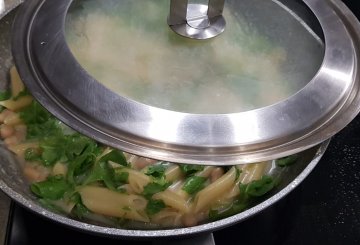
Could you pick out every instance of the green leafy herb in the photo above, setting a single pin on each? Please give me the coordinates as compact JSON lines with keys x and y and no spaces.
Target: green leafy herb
{"x":35,"y":114}
{"x":286,"y":161}
{"x":79,"y":210}
{"x":121,"y":177}
{"x":260,"y":187}
{"x":53,"y":188}
{"x":190,"y":169}
{"x":157,"y":171}
{"x":81,"y":163}
{"x":5,"y":95}
{"x":153,"y":188}
{"x":154,"y":206}
{"x":101,"y":172}
{"x":194,"y":184}
{"x":115,"y":156}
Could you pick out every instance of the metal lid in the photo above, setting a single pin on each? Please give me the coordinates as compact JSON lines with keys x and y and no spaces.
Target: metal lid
{"x":312,"y":113}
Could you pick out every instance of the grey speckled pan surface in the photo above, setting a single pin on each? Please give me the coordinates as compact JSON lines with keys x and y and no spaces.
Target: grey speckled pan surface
{"x":14,"y":185}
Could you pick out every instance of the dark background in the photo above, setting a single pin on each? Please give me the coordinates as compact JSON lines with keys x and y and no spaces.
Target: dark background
{"x":324,"y":209}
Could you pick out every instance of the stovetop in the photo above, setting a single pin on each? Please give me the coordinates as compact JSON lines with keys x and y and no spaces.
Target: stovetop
{"x":324,"y":209}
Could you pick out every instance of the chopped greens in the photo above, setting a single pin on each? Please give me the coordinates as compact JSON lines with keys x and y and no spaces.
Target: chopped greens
{"x":260,"y":187}
{"x":115,"y":156}
{"x":154,"y":206}
{"x":79,"y":210}
{"x":157,"y":171}
{"x":5,"y":95}
{"x":153,"y":188}
{"x":102,"y":172}
{"x":194,"y":184}
{"x":121,"y":177}
{"x":53,"y":188}
{"x":286,"y":161}
{"x":190,"y":169}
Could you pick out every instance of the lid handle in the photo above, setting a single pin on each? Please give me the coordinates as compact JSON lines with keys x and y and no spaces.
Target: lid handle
{"x":197,"y":21}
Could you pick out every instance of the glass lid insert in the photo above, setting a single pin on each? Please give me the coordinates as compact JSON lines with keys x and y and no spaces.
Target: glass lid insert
{"x":259,"y":60}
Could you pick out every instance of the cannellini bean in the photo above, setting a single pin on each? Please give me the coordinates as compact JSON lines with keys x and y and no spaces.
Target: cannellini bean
{"x":6,"y":131}
{"x":216,"y":174}
{"x":20,"y":131}
{"x":12,"y":140}
{"x":4,"y":114}
{"x":12,"y":119}
{"x":35,"y":174}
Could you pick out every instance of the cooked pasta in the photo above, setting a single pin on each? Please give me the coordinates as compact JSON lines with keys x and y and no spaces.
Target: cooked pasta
{"x":84,"y":179}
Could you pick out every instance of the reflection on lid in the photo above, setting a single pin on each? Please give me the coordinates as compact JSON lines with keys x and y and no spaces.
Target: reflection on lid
{"x":128,"y":46}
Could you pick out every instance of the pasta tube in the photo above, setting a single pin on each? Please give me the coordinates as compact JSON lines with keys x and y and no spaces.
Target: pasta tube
{"x":110,"y":203}
{"x":215,"y":190}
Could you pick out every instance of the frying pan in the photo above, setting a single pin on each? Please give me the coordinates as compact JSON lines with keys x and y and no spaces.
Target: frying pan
{"x":16,"y":187}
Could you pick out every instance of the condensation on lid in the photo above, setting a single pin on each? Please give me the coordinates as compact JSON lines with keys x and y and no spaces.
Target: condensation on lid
{"x":259,"y":60}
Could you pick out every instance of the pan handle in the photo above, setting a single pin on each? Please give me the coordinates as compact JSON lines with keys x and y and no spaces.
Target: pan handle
{"x":201,"y":239}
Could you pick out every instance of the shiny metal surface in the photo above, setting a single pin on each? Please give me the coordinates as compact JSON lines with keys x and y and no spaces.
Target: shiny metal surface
{"x":322,"y":108}
{"x":197,"y":21}
{"x":7,"y":5}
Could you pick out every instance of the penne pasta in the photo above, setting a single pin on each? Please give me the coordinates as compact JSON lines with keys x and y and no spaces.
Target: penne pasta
{"x":173,"y":200}
{"x":16,"y":84}
{"x":18,"y":104}
{"x":215,"y":190}
{"x":137,"y":180}
{"x":173,"y":173}
{"x":110,"y":203}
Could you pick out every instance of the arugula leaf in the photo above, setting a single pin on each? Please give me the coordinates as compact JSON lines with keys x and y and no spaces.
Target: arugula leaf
{"x":115,"y":156}
{"x":5,"y":95}
{"x":153,"y":188}
{"x":80,"y":210}
{"x":121,"y":177}
{"x":190,"y":169}
{"x":80,"y":164}
{"x":52,"y":188}
{"x":154,"y":206}
{"x":260,"y":187}
{"x":35,"y":114}
{"x":157,"y":171}
{"x":286,"y":161}
{"x":194,"y":184}
{"x":101,"y":172}
{"x":41,"y":130}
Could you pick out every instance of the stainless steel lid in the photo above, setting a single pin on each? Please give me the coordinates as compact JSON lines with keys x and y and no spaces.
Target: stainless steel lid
{"x":311,"y":113}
